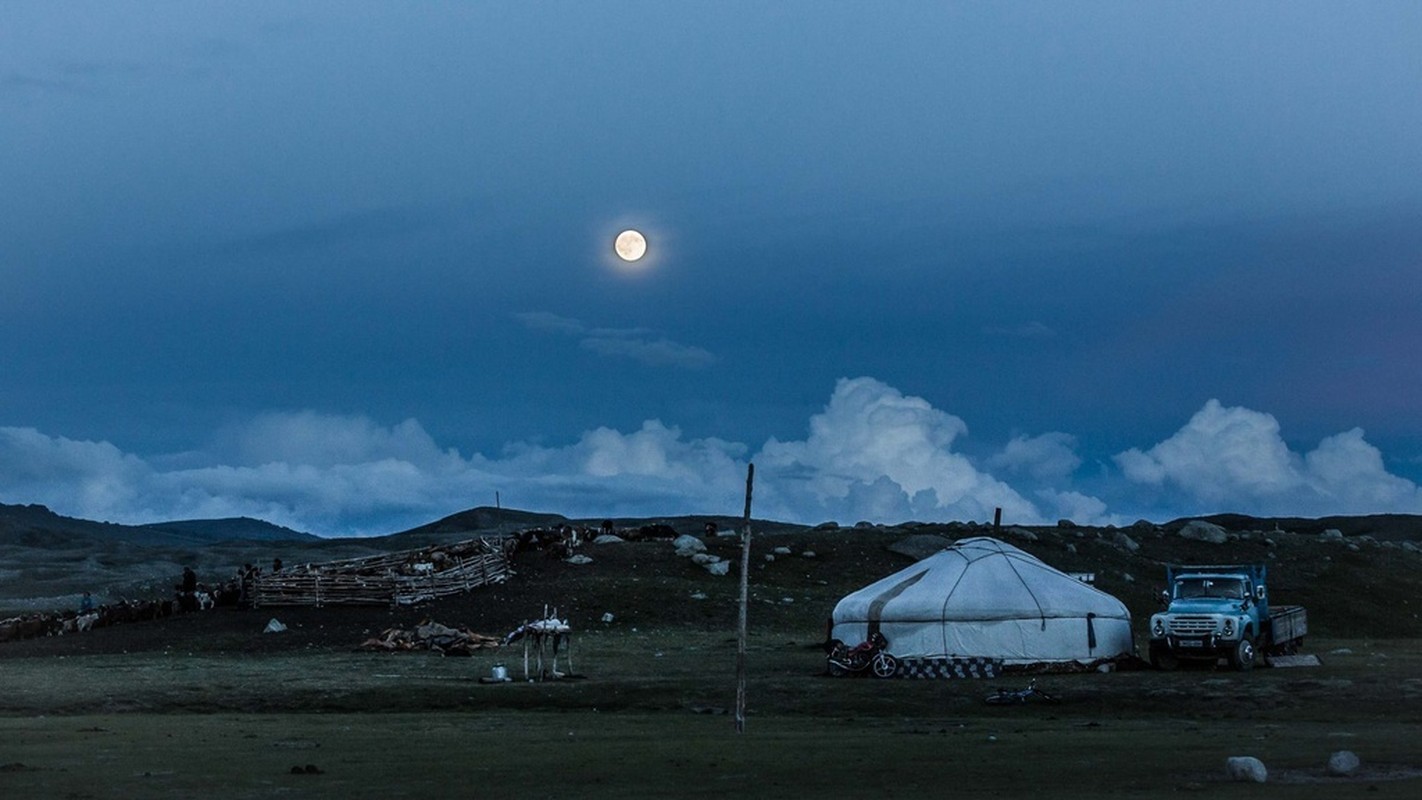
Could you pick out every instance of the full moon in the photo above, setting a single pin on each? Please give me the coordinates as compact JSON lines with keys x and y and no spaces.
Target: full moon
{"x":630,"y":245}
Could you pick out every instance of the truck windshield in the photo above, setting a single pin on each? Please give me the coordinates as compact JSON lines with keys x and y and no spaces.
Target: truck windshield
{"x":1228,"y":588}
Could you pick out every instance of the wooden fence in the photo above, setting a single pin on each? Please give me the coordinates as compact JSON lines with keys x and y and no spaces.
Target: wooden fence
{"x":401,"y":578}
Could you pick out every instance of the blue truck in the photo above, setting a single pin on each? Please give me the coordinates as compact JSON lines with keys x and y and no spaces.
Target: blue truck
{"x":1222,"y":611}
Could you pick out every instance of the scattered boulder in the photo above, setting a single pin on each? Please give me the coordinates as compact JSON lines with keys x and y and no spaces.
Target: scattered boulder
{"x":1065,"y":523}
{"x":719,"y":568}
{"x":578,"y":559}
{"x":781,"y":551}
{"x":808,"y":554}
{"x":608,"y":538}
{"x":1020,"y":533}
{"x":704,"y":558}
{"x":827,"y":526}
{"x":688,"y":545}
{"x":1071,"y":548}
{"x":1245,"y":769}
{"x":917,"y":547}
{"x":1121,"y":540}
{"x":1331,"y":535}
{"x":1343,"y":764}
{"x":274,"y":626}
{"x":1202,"y":531}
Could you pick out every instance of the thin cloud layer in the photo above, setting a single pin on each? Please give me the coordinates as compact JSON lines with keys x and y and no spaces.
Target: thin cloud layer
{"x":873,"y":453}
{"x":637,"y":344}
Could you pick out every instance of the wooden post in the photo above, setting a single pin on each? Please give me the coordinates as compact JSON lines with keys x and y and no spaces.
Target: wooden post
{"x":745,"y":599}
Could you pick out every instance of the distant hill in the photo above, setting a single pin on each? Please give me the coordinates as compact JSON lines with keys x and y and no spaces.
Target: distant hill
{"x":483,"y":519}
{"x":37,"y":526}
{"x":231,"y":529}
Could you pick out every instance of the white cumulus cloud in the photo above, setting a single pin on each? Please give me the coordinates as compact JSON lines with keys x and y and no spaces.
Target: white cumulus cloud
{"x":878,"y":452}
{"x":1234,"y":458}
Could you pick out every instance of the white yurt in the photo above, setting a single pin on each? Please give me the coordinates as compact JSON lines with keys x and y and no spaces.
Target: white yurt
{"x":982,"y":599}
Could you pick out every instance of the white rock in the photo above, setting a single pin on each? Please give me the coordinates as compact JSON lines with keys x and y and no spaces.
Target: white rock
{"x":686,"y":545}
{"x":1202,"y":531}
{"x":769,"y":557}
{"x":1343,"y":763}
{"x":607,"y":617}
{"x":608,"y":538}
{"x":1246,"y":768}
{"x":781,"y":551}
{"x":705,"y":558}
{"x":1071,"y":548}
{"x":1331,"y":535}
{"x":694,"y":596}
{"x":1125,"y":542}
{"x":719,"y":568}
{"x":274,"y":626}
{"x":1021,"y":533}
{"x":808,"y":554}
{"x":578,"y":559}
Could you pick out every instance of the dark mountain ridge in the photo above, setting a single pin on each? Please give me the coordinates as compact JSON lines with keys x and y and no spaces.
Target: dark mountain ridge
{"x":38,"y":526}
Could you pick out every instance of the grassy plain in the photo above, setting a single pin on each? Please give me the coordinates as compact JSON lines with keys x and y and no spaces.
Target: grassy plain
{"x":650,"y":721}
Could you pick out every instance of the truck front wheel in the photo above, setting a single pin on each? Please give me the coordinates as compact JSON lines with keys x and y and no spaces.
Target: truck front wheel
{"x":1161,"y":658}
{"x":1243,"y":656}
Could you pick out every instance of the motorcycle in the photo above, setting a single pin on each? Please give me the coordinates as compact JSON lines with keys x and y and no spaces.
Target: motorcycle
{"x":868,"y":656}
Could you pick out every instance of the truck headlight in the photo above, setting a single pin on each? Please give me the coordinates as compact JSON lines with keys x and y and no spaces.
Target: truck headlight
{"x":1228,"y":627}
{"x":1158,"y":628}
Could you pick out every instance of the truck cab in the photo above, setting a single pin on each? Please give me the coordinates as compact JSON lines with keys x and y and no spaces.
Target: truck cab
{"x":1212,"y":612}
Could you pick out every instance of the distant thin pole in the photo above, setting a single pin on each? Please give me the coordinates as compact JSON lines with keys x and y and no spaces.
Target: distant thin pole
{"x":496,"y":501}
{"x":745,"y":600}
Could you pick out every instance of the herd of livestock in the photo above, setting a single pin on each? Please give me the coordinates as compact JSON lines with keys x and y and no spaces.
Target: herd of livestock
{"x":58,"y":623}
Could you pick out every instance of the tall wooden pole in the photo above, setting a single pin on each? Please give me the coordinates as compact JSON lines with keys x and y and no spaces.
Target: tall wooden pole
{"x":745,"y":600}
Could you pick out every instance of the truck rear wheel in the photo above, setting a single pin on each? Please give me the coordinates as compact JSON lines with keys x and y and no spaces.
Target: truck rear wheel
{"x":1243,"y":656}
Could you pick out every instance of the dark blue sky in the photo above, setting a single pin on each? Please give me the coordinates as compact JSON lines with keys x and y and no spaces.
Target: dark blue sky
{"x":348,"y":266}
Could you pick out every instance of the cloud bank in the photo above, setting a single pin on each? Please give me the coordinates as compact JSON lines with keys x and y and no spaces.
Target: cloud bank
{"x":1236,"y":458}
{"x":872,"y":453}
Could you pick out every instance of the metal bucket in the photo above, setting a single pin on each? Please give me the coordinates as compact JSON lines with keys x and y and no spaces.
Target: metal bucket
{"x":499,"y":672}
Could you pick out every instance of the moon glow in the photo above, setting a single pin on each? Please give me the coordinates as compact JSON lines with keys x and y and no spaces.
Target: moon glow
{"x":630,"y":245}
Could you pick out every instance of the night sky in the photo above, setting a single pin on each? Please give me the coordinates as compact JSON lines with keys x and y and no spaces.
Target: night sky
{"x":348,"y":267}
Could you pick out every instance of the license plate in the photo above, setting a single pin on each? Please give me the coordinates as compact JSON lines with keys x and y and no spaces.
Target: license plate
{"x":1191,"y":643}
